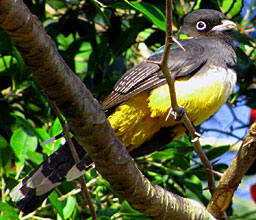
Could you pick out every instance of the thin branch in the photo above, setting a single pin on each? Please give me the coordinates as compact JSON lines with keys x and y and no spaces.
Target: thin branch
{"x":84,"y":190}
{"x":177,"y":111}
{"x":231,"y":109}
{"x":217,"y":173}
{"x":222,"y":132}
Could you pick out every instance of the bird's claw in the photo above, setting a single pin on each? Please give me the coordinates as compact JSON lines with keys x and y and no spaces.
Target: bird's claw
{"x":176,"y":114}
{"x":179,"y":115}
{"x":196,"y":137}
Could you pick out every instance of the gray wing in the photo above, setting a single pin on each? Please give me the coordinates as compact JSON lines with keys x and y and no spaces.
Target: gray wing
{"x":147,"y":76}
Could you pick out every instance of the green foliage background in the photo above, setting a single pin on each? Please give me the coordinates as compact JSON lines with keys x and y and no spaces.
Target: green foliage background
{"x":100,"y":40}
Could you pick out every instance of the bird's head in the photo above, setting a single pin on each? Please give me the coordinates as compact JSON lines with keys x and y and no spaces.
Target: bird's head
{"x":206,"y":22}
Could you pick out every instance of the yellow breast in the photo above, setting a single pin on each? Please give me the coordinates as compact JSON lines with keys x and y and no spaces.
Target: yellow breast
{"x":201,"y":95}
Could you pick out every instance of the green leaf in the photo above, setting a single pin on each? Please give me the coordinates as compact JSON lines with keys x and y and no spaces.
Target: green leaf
{"x":5,"y":63}
{"x":64,"y":42}
{"x":35,"y":157}
{"x":129,"y":213}
{"x":69,"y":207}
{"x":56,"y":4}
{"x":9,"y":213}
{"x":151,"y":12}
{"x":53,"y":198}
{"x":193,"y":183}
{"x":165,"y":154}
{"x":102,"y":13}
{"x":26,"y":124}
{"x":3,"y":142}
{"x":34,"y":107}
{"x":184,"y":37}
{"x":217,"y":151}
{"x":21,"y":142}
{"x":232,"y":7}
{"x":197,"y":4}
{"x":83,"y":54}
{"x":56,"y":128}
{"x":47,"y":148}
{"x":5,"y":161}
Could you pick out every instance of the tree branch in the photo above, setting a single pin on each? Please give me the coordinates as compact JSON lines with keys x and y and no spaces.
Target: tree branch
{"x":232,"y":177}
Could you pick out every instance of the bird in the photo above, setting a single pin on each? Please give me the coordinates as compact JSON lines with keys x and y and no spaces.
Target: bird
{"x":139,"y":103}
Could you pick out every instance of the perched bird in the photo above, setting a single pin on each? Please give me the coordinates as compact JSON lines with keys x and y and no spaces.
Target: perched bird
{"x":138,"y":106}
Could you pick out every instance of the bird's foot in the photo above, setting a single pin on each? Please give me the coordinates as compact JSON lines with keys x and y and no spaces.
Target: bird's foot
{"x":176,"y":114}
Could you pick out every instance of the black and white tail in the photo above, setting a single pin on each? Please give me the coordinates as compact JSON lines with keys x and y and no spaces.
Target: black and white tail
{"x":59,"y":166}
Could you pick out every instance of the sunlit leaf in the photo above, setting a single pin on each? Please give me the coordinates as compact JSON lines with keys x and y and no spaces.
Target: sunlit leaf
{"x":53,"y":198}
{"x":35,"y":157}
{"x":151,"y":12}
{"x":232,"y":7}
{"x":69,"y":207}
{"x":9,"y":213}
{"x":21,"y":142}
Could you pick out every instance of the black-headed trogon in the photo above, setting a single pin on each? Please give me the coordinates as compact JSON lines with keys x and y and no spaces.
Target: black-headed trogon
{"x":138,"y":106}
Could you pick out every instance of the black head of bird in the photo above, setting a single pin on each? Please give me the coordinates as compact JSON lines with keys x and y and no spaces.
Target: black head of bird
{"x":206,"y":22}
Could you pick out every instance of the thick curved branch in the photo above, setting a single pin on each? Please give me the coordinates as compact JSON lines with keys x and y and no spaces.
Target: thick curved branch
{"x":87,"y":120}
{"x":232,"y":177}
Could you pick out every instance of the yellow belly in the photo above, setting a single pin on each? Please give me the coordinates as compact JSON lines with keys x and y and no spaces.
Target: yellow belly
{"x":139,"y":118}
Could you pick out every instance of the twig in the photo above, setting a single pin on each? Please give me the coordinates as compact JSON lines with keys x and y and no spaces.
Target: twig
{"x":72,"y":192}
{"x":222,"y":132}
{"x":217,"y":173}
{"x":234,"y":115}
{"x":84,"y":190}
{"x":176,"y":110}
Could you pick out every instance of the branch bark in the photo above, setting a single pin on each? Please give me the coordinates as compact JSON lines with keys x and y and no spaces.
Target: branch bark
{"x":232,"y":177}
{"x":87,"y":120}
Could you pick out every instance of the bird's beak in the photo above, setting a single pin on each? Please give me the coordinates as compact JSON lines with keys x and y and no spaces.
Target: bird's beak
{"x":225,"y":25}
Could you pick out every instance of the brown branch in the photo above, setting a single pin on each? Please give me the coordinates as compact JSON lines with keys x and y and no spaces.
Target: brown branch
{"x":176,"y":108}
{"x":177,"y":111}
{"x":87,"y":120}
{"x":232,"y":177}
{"x":84,"y":190}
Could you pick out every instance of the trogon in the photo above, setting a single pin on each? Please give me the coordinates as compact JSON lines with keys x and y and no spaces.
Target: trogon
{"x":139,"y":103}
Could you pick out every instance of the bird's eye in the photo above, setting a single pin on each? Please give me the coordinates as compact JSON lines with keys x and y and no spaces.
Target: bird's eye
{"x":201,"y":26}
